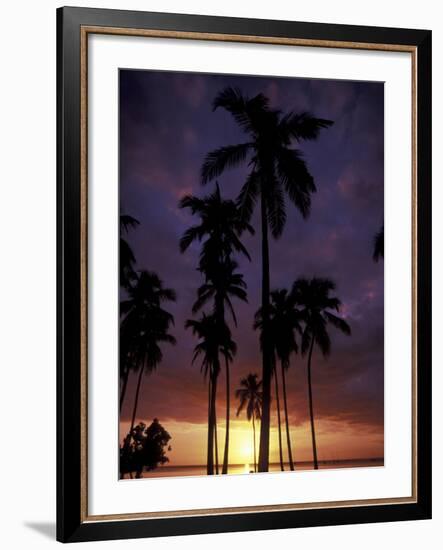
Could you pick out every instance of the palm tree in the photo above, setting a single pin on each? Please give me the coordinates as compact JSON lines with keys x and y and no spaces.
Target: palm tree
{"x":220,"y":224}
{"x":221,"y":284}
{"x":285,"y":321}
{"x":127,"y":258}
{"x":277,"y":404}
{"x":126,"y":361}
{"x":314,"y":299}
{"x":250,"y":396}
{"x":127,"y":277}
{"x":228,"y":350}
{"x":220,"y":229}
{"x":145,"y":326}
{"x":213,"y":342}
{"x":276,"y":168}
{"x":379,"y":245}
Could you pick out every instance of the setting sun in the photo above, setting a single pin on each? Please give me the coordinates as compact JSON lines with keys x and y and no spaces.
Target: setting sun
{"x":246,"y":452}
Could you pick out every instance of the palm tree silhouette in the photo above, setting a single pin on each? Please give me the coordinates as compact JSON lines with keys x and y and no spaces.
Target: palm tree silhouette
{"x":285,"y":320}
{"x":276,"y":169}
{"x":220,"y":229}
{"x":379,"y":245}
{"x":277,"y":404}
{"x":127,"y":258}
{"x":222,"y":283}
{"x":220,"y":224}
{"x":145,"y":326}
{"x":213,"y":342}
{"x":315,"y":302}
{"x":127,"y":277}
{"x":250,"y":396}
{"x":127,"y":349}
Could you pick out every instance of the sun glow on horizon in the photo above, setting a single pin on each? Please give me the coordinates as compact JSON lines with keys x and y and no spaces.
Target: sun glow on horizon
{"x":338,"y":441}
{"x":246,"y":451}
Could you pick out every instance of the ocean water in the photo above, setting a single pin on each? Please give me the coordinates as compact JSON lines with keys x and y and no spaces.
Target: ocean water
{"x":200,"y":470}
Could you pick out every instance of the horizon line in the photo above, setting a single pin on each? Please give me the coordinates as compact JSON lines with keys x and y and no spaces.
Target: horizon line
{"x":326,"y":460}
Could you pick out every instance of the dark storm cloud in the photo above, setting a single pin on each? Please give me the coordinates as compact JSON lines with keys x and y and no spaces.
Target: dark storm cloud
{"x":167,"y":127}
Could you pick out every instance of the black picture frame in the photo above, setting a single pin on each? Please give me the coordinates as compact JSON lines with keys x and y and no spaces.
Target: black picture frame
{"x":71,"y":526}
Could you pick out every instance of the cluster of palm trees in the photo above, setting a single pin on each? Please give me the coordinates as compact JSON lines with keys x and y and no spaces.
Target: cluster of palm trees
{"x":290,"y":321}
{"x":219,"y":229}
{"x":144,"y":323}
{"x":276,"y":170}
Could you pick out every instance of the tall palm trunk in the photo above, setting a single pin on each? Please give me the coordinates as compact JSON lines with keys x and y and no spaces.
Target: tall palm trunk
{"x":127,"y":441}
{"x":212,"y":423}
{"x":216,"y":443}
{"x":255,"y":451}
{"x":124,"y":386}
{"x":311,"y":407}
{"x":210,"y":442}
{"x":263,"y":460}
{"x":285,"y":404}
{"x":280,"y":446}
{"x":137,"y":393}
{"x":228,"y":404}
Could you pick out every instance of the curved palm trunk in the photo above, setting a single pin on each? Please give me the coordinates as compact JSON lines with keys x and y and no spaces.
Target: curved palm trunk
{"x":285,"y":405}
{"x":137,"y":393}
{"x":263,"y":460}
{"x":255,"y":451}
{"x":128,"y":437}
{"x":280,"y":446}
{"x":216,"y":443}
{"x":210,"y":442}
{"x":311,"y":407}
{"x":123,"y":388}
{"x":212,"y":425}
{"x":226,"y":452}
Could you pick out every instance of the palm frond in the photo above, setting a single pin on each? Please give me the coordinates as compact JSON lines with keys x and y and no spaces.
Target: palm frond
{"x":203,"y":298}
{"x":195,"y":204}
{"x":379,"y":245}
{"x":190,"y":235}
{"x":216,"y":162}
{"x":323,"y":340}
{"x":275,"y":201}
{"x":243,"y":401}
{"x":248,"y":196}
{"x":338,"y":322}
{"x":246,"y":112}
{"x":127,"y":221}
{"x":296,"y":179}
{"x":303,"y":126}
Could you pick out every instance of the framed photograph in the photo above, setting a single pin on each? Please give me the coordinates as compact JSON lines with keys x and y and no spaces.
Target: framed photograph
{"x":244,"y":274}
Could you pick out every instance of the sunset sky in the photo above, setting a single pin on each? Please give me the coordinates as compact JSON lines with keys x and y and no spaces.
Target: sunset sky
{"x":167,"y":126}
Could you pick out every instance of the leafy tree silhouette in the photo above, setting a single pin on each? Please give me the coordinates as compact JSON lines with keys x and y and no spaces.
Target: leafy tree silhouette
{"x":146,"y":451}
